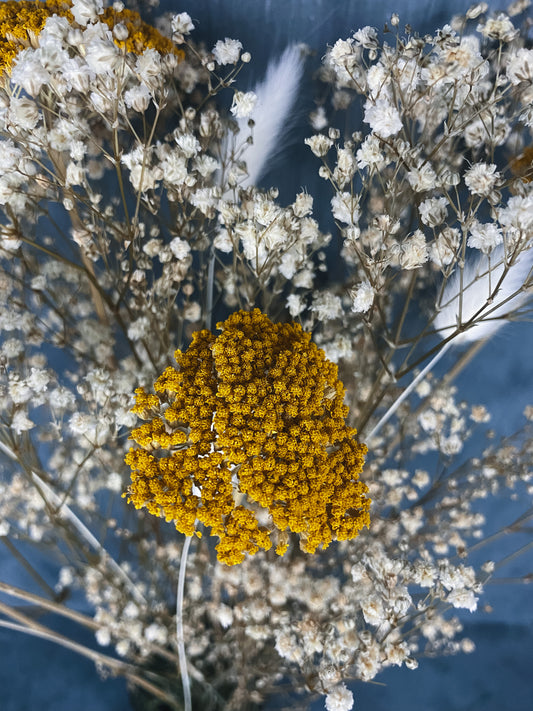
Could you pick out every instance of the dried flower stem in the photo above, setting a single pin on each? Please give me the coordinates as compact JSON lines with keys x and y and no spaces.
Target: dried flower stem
{"x":29,"y":626}
{"x":179,"y":626}
{"x":396,"y":404}
{"x":66,"y":512}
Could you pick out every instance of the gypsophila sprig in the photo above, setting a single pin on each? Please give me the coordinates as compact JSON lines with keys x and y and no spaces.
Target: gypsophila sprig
{"x":21,"y":22}
{"x":257,"y":411}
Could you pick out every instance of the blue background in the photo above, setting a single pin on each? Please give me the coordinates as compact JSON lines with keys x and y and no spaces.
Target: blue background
{"x":36,"y":674}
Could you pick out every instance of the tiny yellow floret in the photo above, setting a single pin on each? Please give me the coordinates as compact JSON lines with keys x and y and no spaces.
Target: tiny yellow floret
{"x":250,"y":419}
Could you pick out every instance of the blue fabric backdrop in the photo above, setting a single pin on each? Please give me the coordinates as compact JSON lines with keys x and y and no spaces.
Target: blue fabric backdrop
{"x":37,"y":675}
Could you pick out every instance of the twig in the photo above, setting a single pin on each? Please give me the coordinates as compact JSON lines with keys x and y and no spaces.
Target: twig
{"x":179,"y":626}
{"x":29,"y":626}
{"x":66,"y":512}
{"x":396,"y":404}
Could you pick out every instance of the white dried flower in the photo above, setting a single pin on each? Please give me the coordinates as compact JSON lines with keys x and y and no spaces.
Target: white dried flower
{"x":181,"y":24}
{"x":433,"y":211}
{"x":138,"y":98}
{"x":75,"y":174}
{"x":103,"y":636}
{"x":413,"y":251}
{"x":303,"y":205}
{"x":21,"y":422}
{"x":85,"y":11}
{"x":370,"y":153}
{"x":372,"y":609}
{"x":225,"y":615}
{"x":367,"y":37}
{"x":23,"y":113}
{"x":243,"y":104}
{"x":189,"y":144}
{"x":295,"y":304}
{"x":339,"y":699}
{"x":499,"y":28}
{"x":318,"y":119}
{"x":345,"y":208}
{"x":463,"y":599}
{"x":383,"y":118}
{"x":481,"y":178}
{"x":476,"y":10}
{"x":444,"y":248}
{"x":520,"y":66}
{"x":362,"y":297}
{"x":327,"y":306}
{"x":29,"y":72}
{"x":422,"y":178}
{"x":484,"y":236}
{"x":223,"y":242}
{"x":148,"y":66}
{"x":102,"y":56}
{"x":319,"y":144}
{"x":180,"y":248}
{"x":227,"y":51}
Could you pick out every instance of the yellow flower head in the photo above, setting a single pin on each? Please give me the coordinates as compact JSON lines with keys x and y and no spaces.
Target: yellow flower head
{"x":21,"y":21}
{"x":248,"y":436}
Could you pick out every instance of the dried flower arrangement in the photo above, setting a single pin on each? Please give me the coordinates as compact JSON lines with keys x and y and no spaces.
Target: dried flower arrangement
{"x":130,"y":215}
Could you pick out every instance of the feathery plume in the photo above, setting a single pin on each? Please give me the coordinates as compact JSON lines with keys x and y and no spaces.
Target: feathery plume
{"x":485,"y":292}
{"x":469,"y":296}
{"x":275,"y":98}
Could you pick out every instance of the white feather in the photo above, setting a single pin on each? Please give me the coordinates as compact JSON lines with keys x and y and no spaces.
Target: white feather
{"x":276,"y":95}
{"x":481,"y":299}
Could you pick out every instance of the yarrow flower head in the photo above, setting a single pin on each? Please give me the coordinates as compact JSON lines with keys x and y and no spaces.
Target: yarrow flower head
{"x":21,"y":22}
{"x":250,"y":426}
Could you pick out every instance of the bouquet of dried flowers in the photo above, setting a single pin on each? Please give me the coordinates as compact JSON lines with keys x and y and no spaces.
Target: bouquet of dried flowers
{"x":296,"y":470}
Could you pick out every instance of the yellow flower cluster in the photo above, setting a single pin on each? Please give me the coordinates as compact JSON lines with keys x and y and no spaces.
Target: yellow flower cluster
{"x":250,"y":424}
{"x":21,"y":21}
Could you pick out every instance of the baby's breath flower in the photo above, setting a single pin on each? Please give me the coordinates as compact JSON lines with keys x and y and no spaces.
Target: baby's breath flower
{"x":227,"y":51}
{"x":413,"y":251}
{"x":138,"y":98}
{"x":499,"y":28}
{"x":21,"y":422}
{"x":22,"y":21}
{"x":370,"y":155}
{"x":243,"y":103}
{"x":362,"y":297}
{"x":443,"y":250}
{"x":422,"y":179}
{"x":251,"y":420}
{"x":481,"y":178}
{"x":433,"y":211}
{"x":181,"y":25}
{"x":180,"y":248}
{"x":383,"y":117}
{"x":520,"y":66}
{"x":484,"y":236}
{"x":295,"y":304}
{"x":319,"y":144}
{"x":327,"y":306}
{"x":339,"y":699}
{"x":345,"y":208}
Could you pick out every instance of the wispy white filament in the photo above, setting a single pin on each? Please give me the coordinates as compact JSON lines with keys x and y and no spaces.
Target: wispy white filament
{"x":477,"y":295}
{"x":276,"y":95}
